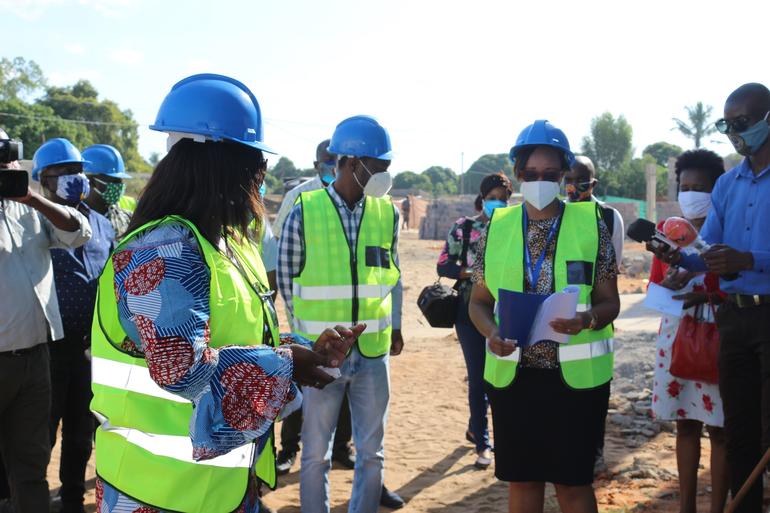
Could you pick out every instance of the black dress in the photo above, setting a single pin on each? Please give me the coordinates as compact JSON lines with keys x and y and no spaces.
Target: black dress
{"x":544,"y":430}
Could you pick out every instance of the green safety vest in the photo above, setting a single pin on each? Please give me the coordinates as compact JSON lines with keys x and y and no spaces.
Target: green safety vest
{"x":127,"y":203}
{"x":339,"y":284}
{"x":586,"y":361}
{"x":143,"y":445}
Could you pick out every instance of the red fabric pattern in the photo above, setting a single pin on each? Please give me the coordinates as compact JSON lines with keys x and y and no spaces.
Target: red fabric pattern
{"x":249,"y":396}
{"x":169,"y":359}
{"x":121,"y":259}
{"x":145,"y":278}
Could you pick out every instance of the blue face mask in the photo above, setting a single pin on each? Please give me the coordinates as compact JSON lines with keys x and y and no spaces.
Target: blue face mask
{"x":73,"y":188}
{"x":748,"y":143}
{"x":327,"y":172}
{"x":262,"y":190}
{"x":491,"y":205}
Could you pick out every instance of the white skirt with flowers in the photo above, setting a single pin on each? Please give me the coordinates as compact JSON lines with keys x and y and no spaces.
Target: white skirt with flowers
{"x":681,"y":399}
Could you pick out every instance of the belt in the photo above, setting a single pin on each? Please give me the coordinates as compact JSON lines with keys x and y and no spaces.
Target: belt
{"x":747,"y":301}
{"x":19,"y":352}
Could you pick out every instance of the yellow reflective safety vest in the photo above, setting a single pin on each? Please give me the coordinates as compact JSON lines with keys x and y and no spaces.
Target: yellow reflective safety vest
{"x":340,"y":284}
{"x":586,"y":361}
{"x":127,"y":203}
{"x":143,"y":445}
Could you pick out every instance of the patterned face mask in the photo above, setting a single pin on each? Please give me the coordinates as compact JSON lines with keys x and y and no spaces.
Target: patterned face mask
{"x":112,"y":192}
{"x":73,"y":188}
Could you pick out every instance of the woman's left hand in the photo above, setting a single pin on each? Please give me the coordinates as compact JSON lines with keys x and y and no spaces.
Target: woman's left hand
{"x":693,"y":299}
{"x":569,"y":326}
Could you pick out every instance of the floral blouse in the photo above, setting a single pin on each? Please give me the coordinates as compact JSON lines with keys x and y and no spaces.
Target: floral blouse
{"x":449,"y":264}
{"x":162,"y":286}
{"x":544,"y":354}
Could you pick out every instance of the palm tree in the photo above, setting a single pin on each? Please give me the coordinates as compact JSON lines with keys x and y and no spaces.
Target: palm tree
{"x":699,"y":126}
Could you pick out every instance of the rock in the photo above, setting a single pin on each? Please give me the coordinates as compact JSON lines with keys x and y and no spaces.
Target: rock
{"x":621,"y":420}
{"x":642,"y":408}
{"x":649,"y":433}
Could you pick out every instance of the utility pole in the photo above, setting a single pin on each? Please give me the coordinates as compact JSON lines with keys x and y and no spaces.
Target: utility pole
{"x":651,"y":176}
{"x":462,"y":170}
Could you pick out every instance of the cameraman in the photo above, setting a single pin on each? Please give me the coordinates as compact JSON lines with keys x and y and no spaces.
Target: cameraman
{"x":29,"y":227}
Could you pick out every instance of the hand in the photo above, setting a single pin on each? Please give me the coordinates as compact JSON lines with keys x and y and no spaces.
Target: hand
{"x":333,"y":344}
{"x":721,"y":259}
{"x":396,"y":343}
{"x":676,"y":279}
{"x":570,"y":326}
{"x":666,"y":254}
{"x":500,"y":346}
{"x":307,"y":367}
{"x":693,"y":298}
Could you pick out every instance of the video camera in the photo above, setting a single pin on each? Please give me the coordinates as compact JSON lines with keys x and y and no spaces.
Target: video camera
{"x":13,"y":183}
{"x":10,"y":151}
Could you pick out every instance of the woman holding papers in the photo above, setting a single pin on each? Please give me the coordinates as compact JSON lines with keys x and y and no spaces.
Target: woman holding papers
{"x":456,"y":262}
{"x":691,"y":403}
{"x":548,"y":399}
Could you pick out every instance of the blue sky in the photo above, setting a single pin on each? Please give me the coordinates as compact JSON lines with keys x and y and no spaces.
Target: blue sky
{"x":444,"y":77}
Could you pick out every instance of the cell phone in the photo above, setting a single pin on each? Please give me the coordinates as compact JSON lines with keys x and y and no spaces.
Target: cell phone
{"x":13,"y":183}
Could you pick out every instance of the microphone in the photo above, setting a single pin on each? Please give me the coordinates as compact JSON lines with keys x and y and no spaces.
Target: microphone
{"x":684,"y":235}
{"x":643,"y":230}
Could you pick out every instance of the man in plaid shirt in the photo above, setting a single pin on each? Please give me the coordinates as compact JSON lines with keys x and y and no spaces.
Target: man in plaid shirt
{"x":366,"y":378}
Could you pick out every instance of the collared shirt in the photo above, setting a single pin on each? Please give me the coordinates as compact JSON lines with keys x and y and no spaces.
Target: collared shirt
{"x":28,"y":301}
{"x":738,"y":218}
{"x":291,"y":198}
{"x":291,"y":249}
{"x":76,"y":271}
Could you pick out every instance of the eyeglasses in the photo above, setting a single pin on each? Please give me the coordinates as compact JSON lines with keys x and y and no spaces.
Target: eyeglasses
{"x":530,"y":175}
{"x":580,"y":186}
{"x":739,"y":124}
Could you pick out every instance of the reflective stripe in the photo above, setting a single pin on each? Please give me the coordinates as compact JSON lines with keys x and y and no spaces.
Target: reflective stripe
{"x":179,"y":447}
{"x":582,"y":307}
{"x":320,"y":293}
{"x":586,"y":351}
{"x":318,"y":327}
{"x":125,"y":376}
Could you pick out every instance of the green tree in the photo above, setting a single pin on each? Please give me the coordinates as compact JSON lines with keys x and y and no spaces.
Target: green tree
{"x":699,"y":125}
{"x":485,"y":165}
{"x":629,"y":180}
{"x":411,"y":180}
{"x":662,"y":151}
{"x":733,"y":160}
{"x":609,"y":145}
{"x":154,"y":158}
{"x":19,"y":77}
{"x":443,"y":180}
{"x":284,"y":168}
{"x":34,"y":124}
{"x":102,"y":121}
{"x":273,"y":184}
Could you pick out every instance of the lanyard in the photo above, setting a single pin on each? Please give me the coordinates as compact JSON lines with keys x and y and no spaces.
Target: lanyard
{"x":533,"y":272}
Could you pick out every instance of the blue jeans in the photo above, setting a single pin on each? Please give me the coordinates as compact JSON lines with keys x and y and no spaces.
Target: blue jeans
{"x":368,"y":383}
{"x":474,"y":351}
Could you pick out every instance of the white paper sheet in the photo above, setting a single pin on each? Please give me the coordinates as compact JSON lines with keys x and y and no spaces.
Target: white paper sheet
{"x":561,"y":305}
{"x":514,"y":356}
{"x":661,"y":299}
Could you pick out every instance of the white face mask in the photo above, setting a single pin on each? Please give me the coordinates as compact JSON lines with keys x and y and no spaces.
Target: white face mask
{"x":694,"y":204}
{"x":379,"y":184}
{"x":539,"y":194}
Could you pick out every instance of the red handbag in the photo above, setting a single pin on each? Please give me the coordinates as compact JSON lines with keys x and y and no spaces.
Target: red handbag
{"x":695,"y":353}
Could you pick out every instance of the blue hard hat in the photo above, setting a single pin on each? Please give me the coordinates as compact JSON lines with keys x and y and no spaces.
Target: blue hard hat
{"x":215,"y":106}
{"x":542,"y":133}
{"x":54,"y":152}
{"x":104,"y":159}
{"x":361,"y":136}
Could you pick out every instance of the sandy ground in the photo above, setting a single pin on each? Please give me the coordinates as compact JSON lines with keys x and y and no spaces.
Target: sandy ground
{"x":428,"y":460}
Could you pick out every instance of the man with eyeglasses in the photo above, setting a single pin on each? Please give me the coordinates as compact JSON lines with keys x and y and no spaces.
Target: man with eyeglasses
{"x":580,"y":182}
{"x":740,"y":253}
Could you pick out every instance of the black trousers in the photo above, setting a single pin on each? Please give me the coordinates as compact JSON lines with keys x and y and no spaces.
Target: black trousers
{"x":744,"y":383}
{"x":70,"y":399}
{"x":25,"y":403}
{"x":291,"y":428}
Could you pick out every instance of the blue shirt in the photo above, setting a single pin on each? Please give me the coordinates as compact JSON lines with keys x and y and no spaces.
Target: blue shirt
{"x":76,"y":271}
{"x":739,"y":218}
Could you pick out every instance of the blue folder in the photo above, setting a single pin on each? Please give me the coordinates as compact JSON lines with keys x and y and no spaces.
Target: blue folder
{"x":517,"y":312}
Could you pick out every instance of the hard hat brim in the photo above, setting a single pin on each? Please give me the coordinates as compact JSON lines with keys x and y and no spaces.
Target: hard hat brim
{"x":258,"y":145}
{"x":37,"y":170}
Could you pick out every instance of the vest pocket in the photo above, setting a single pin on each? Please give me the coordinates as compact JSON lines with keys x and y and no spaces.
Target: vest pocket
{"x":580,"y":272}
{"x":377,"y":257}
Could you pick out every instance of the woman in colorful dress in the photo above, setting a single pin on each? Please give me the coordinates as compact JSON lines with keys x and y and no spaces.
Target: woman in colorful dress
{"x":456,"y":262}
{"x":189,"y":370}
{"x":691,"y":403}
{"x":548,"y":399}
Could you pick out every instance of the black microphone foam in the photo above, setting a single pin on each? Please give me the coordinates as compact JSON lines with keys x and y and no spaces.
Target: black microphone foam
{"x":641,"y":230}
